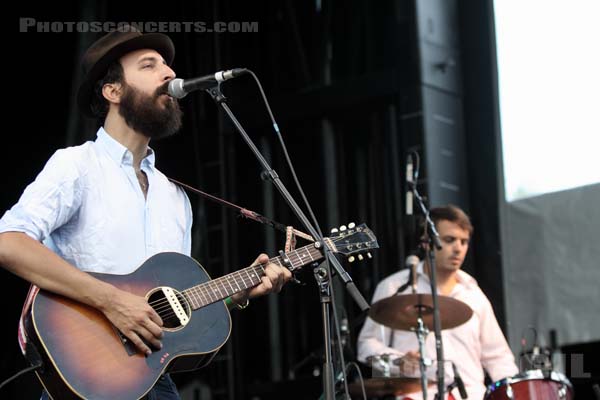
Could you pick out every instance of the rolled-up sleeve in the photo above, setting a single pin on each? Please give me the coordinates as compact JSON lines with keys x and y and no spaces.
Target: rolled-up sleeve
{"x":496,"y":356}
{"x":49,"y":201}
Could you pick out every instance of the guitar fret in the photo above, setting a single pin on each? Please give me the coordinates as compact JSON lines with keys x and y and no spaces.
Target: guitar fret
{"x":301,"y":256}
{"x":204,"y":295}
{"x":295,"y":253}
{"x":189,"y":295}
{"x":222,"y":281}
{"x":214,"y":290}
{"x":239,"y":289}
{"x":241,"y":276}
{"x":198,"y":296}
{"x":247,"y":273}
{"x":260,"y":273}
{"x":230,"y":285}
{"x":221,"y":288}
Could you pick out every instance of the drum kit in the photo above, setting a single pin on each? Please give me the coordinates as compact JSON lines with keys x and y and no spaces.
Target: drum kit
{"x":414,"y":312}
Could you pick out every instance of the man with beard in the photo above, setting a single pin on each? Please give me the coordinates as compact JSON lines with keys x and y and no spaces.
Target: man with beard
{"x":103,"y":206}
{"x":476,"y":345}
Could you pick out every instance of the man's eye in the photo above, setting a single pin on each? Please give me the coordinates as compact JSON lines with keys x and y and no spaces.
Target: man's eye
{"x":147,"y":66}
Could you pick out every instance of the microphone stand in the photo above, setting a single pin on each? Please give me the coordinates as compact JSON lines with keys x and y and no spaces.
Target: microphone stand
{"x":434,"y":242}
{"x":322,"y":275}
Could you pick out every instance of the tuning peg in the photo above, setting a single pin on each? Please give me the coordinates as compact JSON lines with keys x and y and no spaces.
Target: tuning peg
{"x":351,"y":225}
{"x":342,"y":228}
{"x":360,"y":257}
{"x":351,"y":259}
{"x":369,"y":255}
{"x":334,"y":230}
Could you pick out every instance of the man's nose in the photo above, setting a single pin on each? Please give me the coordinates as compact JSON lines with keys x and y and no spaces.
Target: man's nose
{"x":169,"y":74}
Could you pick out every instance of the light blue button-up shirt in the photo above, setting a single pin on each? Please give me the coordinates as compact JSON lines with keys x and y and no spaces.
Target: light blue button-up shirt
{"x":87,"y":205}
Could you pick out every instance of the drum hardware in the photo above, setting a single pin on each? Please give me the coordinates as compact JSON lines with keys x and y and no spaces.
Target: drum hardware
{"x":562,"y":392}
{"x":533,"y":384}
{"x":509,"y":391}
{"x":414,"y":312}
{"x":422,"y":333}
{"x":381,"y":362}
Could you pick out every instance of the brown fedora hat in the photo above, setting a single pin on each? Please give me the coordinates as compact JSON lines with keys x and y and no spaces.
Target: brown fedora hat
{"x":111,"y":47}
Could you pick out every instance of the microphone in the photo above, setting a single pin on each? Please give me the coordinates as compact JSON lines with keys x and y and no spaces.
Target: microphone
{"x":459,"y":382}
{"x":411,"y":262}
{"x":409,"y":185}
{"x":179,"y":88}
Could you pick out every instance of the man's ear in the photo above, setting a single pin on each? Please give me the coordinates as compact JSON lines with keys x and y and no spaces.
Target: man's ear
{"x":112,"y":92}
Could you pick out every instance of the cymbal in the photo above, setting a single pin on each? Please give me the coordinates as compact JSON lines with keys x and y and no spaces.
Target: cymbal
{"x":401,"y":311}
{"x":379,"y":387}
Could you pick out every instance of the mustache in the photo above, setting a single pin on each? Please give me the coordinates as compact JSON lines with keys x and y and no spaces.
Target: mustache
{"x":162,"y":89}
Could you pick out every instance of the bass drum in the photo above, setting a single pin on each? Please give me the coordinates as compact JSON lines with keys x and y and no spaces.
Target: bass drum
{"x":532,"y":385}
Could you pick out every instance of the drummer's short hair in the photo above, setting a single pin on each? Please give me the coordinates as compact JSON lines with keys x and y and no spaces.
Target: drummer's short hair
{"x":454,"y":214}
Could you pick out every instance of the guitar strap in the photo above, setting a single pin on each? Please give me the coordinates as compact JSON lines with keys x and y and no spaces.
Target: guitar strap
{"x":244,"y":212}
{"x":290,"y":240}
{"x":22,"y":335}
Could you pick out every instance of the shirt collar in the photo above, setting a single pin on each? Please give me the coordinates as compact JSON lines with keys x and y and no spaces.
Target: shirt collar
{"x":119,"y":153}
{"x":461,"y":277}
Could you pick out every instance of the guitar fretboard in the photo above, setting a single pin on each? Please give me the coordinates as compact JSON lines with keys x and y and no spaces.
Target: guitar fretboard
{"x":218,"y":289}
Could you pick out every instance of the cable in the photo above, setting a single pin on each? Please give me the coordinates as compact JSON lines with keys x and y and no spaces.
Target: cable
{"x":360,"y":377}
{"x":338,"y":335}
{"x":315,"y":223}
{"x":530,"y":359}
{"x":285,"y":152}
{"x":15,"y":376}
{"x":417,"y":161}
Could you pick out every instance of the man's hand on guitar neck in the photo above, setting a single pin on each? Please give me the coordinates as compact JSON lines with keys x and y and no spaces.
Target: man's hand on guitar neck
{"x":133,"y":316}
{"x":274,"y":279}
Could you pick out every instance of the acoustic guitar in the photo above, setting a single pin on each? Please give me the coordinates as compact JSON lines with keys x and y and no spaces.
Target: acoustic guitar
{"x":85,"y":356}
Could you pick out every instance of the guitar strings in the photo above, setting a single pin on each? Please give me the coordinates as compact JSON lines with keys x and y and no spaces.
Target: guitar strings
{"x":163,"y":304}
{"x":213,"y":285}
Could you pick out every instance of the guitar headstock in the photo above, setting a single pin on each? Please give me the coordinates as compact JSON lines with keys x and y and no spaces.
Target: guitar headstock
{"x":352,"y":240}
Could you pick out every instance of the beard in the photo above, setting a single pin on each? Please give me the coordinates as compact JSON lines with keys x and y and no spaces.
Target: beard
{"x":144,"y":114}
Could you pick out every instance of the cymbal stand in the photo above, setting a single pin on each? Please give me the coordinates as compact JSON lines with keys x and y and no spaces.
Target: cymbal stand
{"x":422,"y":332}
{"x":434,"y":243}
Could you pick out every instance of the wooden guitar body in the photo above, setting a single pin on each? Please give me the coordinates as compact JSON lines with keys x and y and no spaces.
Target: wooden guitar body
{"x":85,"y":356}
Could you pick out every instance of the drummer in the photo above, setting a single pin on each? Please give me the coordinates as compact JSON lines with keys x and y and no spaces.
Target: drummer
{"x":476,"y":345}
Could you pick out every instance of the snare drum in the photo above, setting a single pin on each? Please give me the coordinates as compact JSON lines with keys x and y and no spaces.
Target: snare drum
{"x":531,"y":385}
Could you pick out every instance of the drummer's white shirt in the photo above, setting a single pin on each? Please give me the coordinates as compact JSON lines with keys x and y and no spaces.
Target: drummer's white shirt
{"x":475,"y":344}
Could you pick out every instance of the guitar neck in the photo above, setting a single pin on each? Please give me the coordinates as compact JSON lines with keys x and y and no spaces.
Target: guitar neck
{"x":225,"y":286}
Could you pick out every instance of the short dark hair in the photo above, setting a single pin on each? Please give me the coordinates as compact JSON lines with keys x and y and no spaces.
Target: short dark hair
{"x":454,"y":214}
{"x":98,"y":104}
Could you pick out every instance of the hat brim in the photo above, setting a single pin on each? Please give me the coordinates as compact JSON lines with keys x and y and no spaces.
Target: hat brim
{"x":156,"y":41}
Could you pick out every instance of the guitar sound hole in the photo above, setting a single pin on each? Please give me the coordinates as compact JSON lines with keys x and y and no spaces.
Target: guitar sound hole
{"x":171,"y":314}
